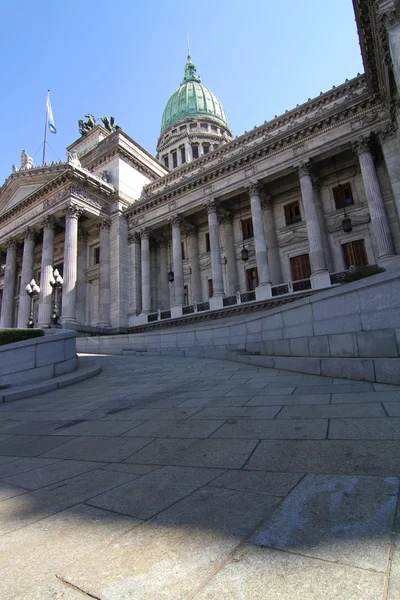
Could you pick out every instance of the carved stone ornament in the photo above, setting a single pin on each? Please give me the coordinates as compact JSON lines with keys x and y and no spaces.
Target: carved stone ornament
{"x":10,"y":243}
{"x":225,"y":218}
{"x":211,"y":206}
{"x":388,"y":132}
{"x":361,"y":145}
{"x":26,"y":161}
{"x":48,"y":222}
{"x":72,"y":211}
{"x":105,"y":224}
{"x":192,"y":230}
{"x":267,"y":201}
{"x":73,"y":159}
{"x":29,"y":234}
{"x":176,"y":221}
{"x":144,"y":234}
{"x":134,"y":238}
{"x":304,"y":168}
{"x":254,"y":189}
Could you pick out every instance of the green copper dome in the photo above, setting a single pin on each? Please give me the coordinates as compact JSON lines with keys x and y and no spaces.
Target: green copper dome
{"x":192,"y":100}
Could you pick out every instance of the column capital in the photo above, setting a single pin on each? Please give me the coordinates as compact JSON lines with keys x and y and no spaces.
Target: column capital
{"x":254,"y":189}
{"x":144,"y":234}
{"x":48,"y":222}
{"x":192,"y":230}
{"x":134,"y":237}
{"x":29,"y":234}
{"x":176,"y":221}
{"x":10,"y":243}
{"x":304,"y":168}
{"x":83,"y":234}
{"x":387,"y":132}
{"x":105,"y":223}
{"x":267,"y":201}
{"x":211,"y":206}
{"x":225,"y":217}
{"x":362,"y":144}
{"x":72,"y":211}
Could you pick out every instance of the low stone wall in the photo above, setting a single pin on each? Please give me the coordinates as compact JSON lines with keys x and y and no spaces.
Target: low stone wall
{"x":38,"y":359}
{"x":350,"y":331}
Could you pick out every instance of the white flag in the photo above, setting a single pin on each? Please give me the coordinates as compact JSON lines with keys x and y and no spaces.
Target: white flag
{"x":50,"y":117}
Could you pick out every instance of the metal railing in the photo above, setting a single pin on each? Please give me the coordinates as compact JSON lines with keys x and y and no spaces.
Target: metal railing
{"x":338,"y":277}
{"x":165,"y":314}
{"x":230,"y":300}
{"x":188,"y":310}
{"x":279,"y":290}
{"x":247,"y":297}
{"x":201,"y":306}
{"x":301,"y":285}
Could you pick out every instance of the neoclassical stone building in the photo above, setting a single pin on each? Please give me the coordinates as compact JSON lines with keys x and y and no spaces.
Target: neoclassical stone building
{"x":137,"y":238}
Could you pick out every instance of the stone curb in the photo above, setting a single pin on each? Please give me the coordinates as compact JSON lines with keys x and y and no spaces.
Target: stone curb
{"x":58,"y":382}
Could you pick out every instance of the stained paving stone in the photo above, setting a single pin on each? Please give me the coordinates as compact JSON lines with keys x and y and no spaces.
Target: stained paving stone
{"x":340,"y":398}
{"x":258,"y":482}
{"x":275,"y":391}
{"x":332,"y":411}
{"x":30,"y":445}
{"x":259,"y":573}
{"x":145,"y":497}
{"x":289,"y":400}
{"x":392,"y":408}
{"x":337,"y":518}
{"x":49,"y":474}
{"x":148,"y":414}
{"x":331,"y":389}
{"x":365,"y":429}
{"x":228,"y":454}
{"x":237,"y":412}
{"x":14,"y":465}
{"x":9,"y":491}
{"x":351,"y":457}
{"x":95,"y":428}
{"x":103,"y":449}
{"x":175,"y":429}
{"x":294,"y":429}
{"x":219,"y":401}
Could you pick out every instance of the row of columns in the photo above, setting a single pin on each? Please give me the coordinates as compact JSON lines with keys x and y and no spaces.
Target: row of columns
{"x":70,"y":273}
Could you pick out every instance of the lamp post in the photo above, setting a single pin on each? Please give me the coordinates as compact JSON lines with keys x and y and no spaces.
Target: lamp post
{"x":56,"y":283}
{"x":33,"y":291}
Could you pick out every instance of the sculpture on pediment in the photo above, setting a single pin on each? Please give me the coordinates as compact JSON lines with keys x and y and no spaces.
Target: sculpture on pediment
{"x":26,"y":161}
{"x":87,"y":126}
{"x":73,"y":159}
{"x":14,"y":169}
{"x":109,"y":124}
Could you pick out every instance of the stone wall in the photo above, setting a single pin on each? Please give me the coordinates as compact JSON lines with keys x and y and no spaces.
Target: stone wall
{"x":38,"y":359}
{"x":350,"y":331}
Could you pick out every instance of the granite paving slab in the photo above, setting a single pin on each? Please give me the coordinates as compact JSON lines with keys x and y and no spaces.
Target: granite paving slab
{"x":286,"y":429}
{"x":275,"y":391}
{"x":365,"y":429}
{"x":330,"y":411}
{"x":331,"y":389}
{"x":175,"y":429}
{"x":339,"y":398}
{"x":95,"y":428}
{"x":237,"y":412}
{"x":289,"y":400}
{"x":392,"y":408}
{"x":30,"y":445}
{"x":49,"y":474}
{"x":239,"y":400}
{"x":258,"y":482}
{"x":103,"y":449}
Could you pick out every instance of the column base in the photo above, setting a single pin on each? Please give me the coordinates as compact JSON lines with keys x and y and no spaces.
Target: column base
{"x":263,"y":292}
{"x":389,"y":262}
{"x":216,"y":302}
{"x":138,"y":320}
{"x":104,"y":325}
{"x":64,"y":322}
{"x":176,"y":312}
{"x":321,"y":280}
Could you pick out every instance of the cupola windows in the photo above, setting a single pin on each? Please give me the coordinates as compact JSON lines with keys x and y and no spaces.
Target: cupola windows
{"x":183,"y":154}
{"x":206,"y":148}
{"x":166,"y":160}
{"x":195,"y":151}
{"x":174,"y":159}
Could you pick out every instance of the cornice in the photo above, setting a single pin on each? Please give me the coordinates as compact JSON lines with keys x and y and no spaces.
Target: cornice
{"x":126,"y":157}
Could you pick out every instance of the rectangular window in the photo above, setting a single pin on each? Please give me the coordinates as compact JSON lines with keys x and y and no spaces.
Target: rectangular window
{"x":195,"y":151}
{"x":182,"y":128}
{"x":183,"y":155}
{"x":208,"y":247}
{"x":193,"y":126}
{"x":343,"y":196}
{"x":206,"y":148}
{"x":300,"y":266}
{"x":247,"y":229}
{"x":166,"y":161}
{"x":292,"y":213}
{"x":251,"y":279}
{"x":96,"y":255}
{"x":204,"y":126}
{"x":355,"y":254}
{"x":183,"y":250}
{"x":210,"y":288}
{"x":214,"y":128}
{"x":186,"y":295}
{"x":174,"y":159}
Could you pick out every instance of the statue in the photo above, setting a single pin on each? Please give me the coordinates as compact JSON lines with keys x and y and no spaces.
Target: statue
{"x":73,"y":159}
{"x":26,"y":161}
{"x":86,"y":126}
{"x":109,"y":124}
{"x":14,"y":169}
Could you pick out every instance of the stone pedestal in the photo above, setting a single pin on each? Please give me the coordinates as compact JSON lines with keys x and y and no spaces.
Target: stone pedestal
{"x":24,"y":308}
{"x":104,"y":274}
{"x":215,"y":250}
{"x":10,"y":276}
{"x":46,"y":274}
{"x":146,"y":283}
{"x":72,"y":214}
{"x":216,"y":302}
{"x":263,"y":292}
{"x":176,"y":312}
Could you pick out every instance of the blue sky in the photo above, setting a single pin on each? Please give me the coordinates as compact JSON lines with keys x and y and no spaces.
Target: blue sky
{"x":126,"y":58}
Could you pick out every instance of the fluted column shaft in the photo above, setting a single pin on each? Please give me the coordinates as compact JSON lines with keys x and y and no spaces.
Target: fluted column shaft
{"x":193,"y":252}
{"x":136,"y":276}
{"x":317,"y":252}
{"x":232,"y":276}
{"x":379,"y":220}
{"x":104,"y":275}
{"x":46,"y":273}
{"x":146,"y":279}
{"x":24,"y":308}
{"x":70,"y":270}
{"x":81,"y":285}
{"x":260,"y":242}
{"x":178,"y":262}
{"x":215,"y":250}
{"x":391,"y":152}
{"x":7,"y":306}
{"x":164,"y":284}
{"x":273,"y":249}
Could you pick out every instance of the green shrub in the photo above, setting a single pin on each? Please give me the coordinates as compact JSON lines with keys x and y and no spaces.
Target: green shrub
{"x":356,"y":273}
{"x":9,"y":336}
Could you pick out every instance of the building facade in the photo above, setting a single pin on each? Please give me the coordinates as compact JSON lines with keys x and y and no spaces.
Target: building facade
{"x":137,"y":238}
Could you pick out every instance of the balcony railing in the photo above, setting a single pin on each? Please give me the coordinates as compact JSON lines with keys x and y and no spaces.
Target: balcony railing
{"x":301,"y":284}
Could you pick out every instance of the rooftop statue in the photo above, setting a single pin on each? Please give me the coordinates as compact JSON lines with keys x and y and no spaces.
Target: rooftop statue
{"x":26,"y":161}
{"x":87,"y":126}
{"x":109,"y":124}
{"x":73,"y":159}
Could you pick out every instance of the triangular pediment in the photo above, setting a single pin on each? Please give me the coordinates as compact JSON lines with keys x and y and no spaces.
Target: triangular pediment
{"x":294,"y":237}
{"x":22,"y":184}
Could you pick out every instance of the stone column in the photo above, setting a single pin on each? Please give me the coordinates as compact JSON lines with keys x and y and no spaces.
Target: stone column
{"x":189,"y":154}
{"x":136,"y":276}
{"x":263,"y":290}
{"x":379,"y":221}
{"x":104,"y":274}
{"x":26,"y":276}
{"x":228,"y":244}
{"x":10,"y":276}
{"x":320,"y":277}
{"x":177,"y":260}
{"x":215,"y":252}
{"x":193,"y":252}
{"x":164,"y":267}
{"x":391,"y":152}
{"x":72,"y":214}
{"x":273,"y":248}
{"x":145,"y":259}
{"x":46,"y":273}
{"x":81,"y":292}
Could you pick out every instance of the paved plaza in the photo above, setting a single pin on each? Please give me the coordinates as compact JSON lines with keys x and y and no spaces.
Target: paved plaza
{"x":171,"y":478}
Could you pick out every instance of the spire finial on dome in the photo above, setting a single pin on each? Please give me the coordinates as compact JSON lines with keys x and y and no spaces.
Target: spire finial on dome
{"x":190,"y":67}
{"x":188,"y":47}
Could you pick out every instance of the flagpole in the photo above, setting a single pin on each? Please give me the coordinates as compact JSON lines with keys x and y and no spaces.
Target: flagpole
{"x":45,"y":127}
